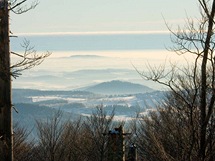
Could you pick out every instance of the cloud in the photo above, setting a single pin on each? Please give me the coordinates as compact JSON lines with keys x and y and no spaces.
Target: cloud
{"x":92,"y":33}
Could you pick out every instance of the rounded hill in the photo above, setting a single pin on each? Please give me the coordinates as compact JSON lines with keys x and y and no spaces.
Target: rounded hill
{"x":118,"y":87}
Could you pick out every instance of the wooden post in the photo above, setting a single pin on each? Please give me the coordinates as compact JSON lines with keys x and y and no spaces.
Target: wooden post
{"x":116,"y":149}
{"x":6,"y":138}
{"x":132,"y":153}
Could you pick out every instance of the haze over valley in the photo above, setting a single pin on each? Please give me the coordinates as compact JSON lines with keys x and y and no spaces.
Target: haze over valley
{"x":86,"y":71}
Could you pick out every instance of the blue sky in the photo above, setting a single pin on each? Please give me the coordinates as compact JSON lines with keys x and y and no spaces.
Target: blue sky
{"x":103,"y":15}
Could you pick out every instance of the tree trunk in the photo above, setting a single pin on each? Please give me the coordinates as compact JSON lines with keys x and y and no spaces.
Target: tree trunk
{"x":203,"y":105}
{"x":6,"y":141}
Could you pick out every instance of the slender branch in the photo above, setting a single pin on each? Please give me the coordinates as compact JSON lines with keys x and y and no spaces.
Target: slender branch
{"x":28,"y":60}
{"x":17,"y":7}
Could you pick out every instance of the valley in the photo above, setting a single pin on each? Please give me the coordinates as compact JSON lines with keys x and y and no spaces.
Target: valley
{"x":40,"y":104}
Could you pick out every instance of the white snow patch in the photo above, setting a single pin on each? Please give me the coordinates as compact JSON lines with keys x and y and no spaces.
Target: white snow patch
{"x":44,"y":98}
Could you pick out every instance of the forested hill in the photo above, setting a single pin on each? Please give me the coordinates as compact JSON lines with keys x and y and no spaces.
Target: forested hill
{"x":118,"y":87}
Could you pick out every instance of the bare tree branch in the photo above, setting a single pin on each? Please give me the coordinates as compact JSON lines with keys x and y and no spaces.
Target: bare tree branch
{"x":192,"y":89}
{"x":29,"y":59}
{"x":17,"y":7}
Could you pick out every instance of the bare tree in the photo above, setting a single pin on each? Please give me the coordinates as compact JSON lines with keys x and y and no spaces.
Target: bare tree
{"x":30,"y":58}
{"x":167,"y":134}
{"x":76,"y":141}
{"x":51,"y":138}
{"x":83,"y":139}
{"x":6,"y":142}
{"x":23,"y":146}
{"x":193,"y":86}
{"x":98,"y":126}
{"x":16,"y":6}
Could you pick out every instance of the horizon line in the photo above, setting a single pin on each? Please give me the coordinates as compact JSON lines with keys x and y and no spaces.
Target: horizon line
{"x":92,"y":33}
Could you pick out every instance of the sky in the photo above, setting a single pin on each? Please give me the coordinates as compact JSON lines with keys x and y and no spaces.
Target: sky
{"x":77,"y":16}
{"x":96,"y":16}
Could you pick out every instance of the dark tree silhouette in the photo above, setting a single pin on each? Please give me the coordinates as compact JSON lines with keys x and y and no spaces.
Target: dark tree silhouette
{"x":29,"y":60}
{"x":192,"y":87}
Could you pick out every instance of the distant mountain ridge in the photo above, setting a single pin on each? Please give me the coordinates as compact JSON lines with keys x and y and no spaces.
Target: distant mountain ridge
{"x":118,"y":87}
{"x":86,"y":56}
